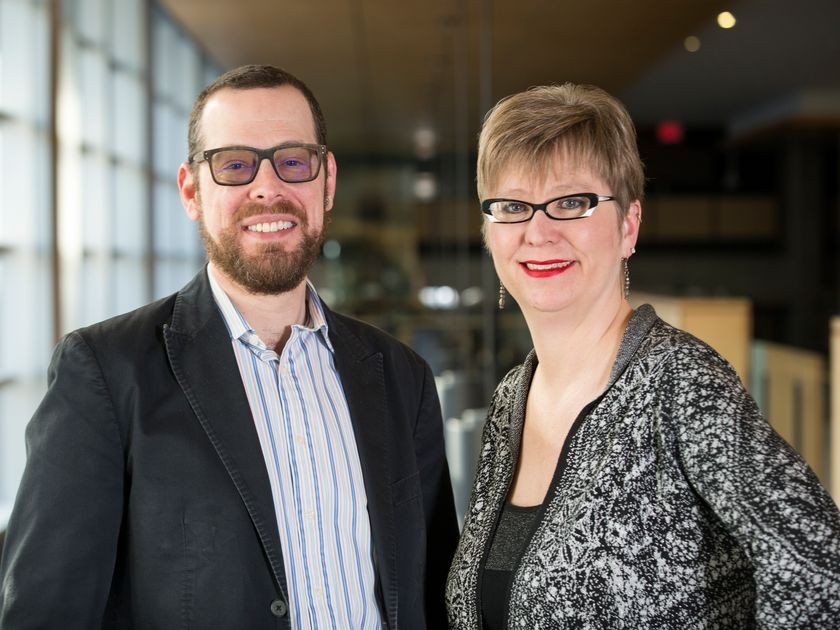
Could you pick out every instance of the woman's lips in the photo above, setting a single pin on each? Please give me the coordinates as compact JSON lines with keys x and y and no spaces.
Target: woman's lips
{"x":545,"y":268}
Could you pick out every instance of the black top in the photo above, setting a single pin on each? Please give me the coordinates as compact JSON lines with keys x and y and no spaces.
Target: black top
{"x":512,"y":535}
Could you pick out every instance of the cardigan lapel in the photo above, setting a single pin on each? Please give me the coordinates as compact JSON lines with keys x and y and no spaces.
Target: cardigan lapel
{"x":200,"y":353}
{"x":363,"y":380}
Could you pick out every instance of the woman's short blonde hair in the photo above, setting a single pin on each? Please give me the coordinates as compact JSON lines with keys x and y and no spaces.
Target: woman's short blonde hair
{"x":581,"y":123}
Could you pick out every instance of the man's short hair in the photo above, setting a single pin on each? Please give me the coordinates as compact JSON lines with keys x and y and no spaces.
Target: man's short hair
{"x":246,"y":78}
{"x":580,"y":123}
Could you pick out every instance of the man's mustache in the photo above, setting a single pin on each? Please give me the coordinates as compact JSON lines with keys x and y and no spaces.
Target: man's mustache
{"x":252,"y":209}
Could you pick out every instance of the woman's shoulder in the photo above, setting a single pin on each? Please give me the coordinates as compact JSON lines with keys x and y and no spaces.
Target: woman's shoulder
{"x":689,"y":381}
{"x":680,"y":354}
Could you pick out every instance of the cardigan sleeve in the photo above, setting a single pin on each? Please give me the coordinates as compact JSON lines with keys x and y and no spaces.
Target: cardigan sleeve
{"x":762,"y":491}
{"x":62,"y":535}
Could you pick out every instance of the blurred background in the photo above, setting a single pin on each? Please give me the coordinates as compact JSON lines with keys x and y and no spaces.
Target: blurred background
{"x":738,"y":110}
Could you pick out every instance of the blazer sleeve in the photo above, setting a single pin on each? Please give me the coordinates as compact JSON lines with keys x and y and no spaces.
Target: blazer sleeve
{"x":62,"y":535}
{"x":763,"y":492}
{"x":438,"y":503}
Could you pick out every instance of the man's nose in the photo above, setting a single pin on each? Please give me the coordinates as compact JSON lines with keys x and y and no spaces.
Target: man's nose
{"x":266,"y":184}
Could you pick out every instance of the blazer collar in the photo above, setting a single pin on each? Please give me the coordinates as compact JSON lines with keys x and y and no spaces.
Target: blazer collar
{"x":361,"y":368}
{"x":199,"y":349}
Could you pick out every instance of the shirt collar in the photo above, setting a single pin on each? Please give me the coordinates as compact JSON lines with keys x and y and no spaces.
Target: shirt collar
{"x":238,"y":326}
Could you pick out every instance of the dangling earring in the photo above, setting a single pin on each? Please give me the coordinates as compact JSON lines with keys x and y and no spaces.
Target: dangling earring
{"x":626,"y":278}
{"x":626,"y":265}
{"x":501,"y":296}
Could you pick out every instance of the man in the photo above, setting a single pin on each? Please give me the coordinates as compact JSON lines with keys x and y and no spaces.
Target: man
{"x":236,"y":455}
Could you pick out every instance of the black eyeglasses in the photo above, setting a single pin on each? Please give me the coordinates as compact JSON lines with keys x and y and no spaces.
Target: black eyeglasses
{"x":566,"y":208}
{"x":237,"y":166}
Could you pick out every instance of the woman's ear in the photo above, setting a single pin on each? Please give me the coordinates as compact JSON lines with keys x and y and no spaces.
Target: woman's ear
{"x":630,"y":228}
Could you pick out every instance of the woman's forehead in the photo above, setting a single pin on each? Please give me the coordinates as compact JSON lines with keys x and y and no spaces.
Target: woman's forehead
{"x":559,"y":171}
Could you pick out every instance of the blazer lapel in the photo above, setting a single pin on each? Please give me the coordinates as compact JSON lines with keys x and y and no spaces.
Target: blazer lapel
{"x":202,"y":359}
{"x":363,"y":380}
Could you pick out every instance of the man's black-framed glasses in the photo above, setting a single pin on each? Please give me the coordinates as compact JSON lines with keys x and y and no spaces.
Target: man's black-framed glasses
{"x":565,"y":208}
{"x":237,"y":166}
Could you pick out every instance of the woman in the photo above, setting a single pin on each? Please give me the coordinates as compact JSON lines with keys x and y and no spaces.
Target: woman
{"x":626,"y":479}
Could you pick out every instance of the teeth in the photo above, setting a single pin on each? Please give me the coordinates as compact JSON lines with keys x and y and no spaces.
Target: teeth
{"x":274,"y":226}
{"x":535,"y":267}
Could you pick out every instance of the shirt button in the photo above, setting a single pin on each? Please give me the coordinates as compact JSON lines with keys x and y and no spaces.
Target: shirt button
{"x":278,"y":608}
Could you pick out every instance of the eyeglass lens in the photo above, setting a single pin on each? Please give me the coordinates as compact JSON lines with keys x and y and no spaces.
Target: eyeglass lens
{"x":571,"y":207}
{"x":240,"y":166}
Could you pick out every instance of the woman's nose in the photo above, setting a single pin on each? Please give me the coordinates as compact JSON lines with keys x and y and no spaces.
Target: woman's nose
{"x":541,"y":228}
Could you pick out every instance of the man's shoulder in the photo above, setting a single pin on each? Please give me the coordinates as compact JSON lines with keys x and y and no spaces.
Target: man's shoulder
{"x":135,"y":333}
{"x":150,"y":318}
{"x":368,"y":337}
{"x":132,"y":322}
{"x":342,"y":324}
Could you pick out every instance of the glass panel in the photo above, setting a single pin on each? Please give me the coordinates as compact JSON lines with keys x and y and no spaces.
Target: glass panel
{"x":91,"y":17}
{"x":24,"y":170}
{"x":23,"y":54}
{"x":127,"y":37}
{"x":170,"y":133}
{"x":164,"y":39}
{"x":129,"y":284}
{"x":93,"y":86}
{"x":129,"y":109}
{"x":189,"y":86}
{"x":96,"y":298}
{"x":26,"y":307}
{"x":96,"y":217}
{"x":129,"y":209}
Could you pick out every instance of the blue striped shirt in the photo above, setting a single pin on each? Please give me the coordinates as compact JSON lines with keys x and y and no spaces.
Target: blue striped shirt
{"x":307,"y":439}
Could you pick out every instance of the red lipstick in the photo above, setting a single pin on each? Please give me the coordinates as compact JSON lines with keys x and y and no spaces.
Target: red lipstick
{"x":545,"y":268}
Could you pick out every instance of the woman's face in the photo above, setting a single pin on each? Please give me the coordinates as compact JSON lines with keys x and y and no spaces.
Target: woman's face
{"x":570,"y":266}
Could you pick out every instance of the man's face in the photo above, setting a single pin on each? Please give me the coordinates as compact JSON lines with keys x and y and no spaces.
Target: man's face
{"x":265,"y":235}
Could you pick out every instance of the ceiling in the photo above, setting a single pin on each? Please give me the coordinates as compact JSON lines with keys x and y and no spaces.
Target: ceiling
{"x":382,"y":69}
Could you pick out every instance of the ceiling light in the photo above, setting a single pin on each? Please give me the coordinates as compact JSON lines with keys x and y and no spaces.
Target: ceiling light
{"x":425,"y":142}
{"x":726,"y":19}
{"x":692,"y":43}
{"x":425,"y":187}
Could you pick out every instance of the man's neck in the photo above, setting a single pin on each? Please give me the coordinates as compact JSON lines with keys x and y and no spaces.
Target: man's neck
{"x":271,"y":316}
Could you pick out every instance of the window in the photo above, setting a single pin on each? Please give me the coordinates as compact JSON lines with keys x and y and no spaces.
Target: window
{"x":121,"y":236}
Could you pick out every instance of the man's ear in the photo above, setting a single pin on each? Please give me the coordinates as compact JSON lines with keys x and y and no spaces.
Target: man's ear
{"x":188,"y":190}
{"x":329,"y":184}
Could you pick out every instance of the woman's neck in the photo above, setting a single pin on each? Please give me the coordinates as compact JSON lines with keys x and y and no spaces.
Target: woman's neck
{"x":573,"y":348}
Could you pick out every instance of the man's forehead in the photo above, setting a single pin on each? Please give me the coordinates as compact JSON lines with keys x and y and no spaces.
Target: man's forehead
{"x":281,"y":109}
{"x":277,"y":101}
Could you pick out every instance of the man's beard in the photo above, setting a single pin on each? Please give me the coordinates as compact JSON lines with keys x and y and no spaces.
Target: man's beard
{"x":272,"y":269}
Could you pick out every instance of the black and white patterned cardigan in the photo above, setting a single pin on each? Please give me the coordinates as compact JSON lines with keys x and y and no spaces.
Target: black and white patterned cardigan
{"x":679,"y":506}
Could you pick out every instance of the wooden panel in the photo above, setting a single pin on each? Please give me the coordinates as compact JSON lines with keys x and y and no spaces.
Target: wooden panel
{"x":710,"y":218}
{"x":793,"y":399}
{"x":723,"y":323}
{"x":748,"y":217}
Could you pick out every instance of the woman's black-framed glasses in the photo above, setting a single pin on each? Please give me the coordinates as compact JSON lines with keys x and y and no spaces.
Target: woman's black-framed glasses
{"x":565,"y":208}
{"x":237,"y":166}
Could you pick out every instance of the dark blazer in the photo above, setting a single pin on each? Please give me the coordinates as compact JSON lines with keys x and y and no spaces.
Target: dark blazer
{"x":145,"y":502}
